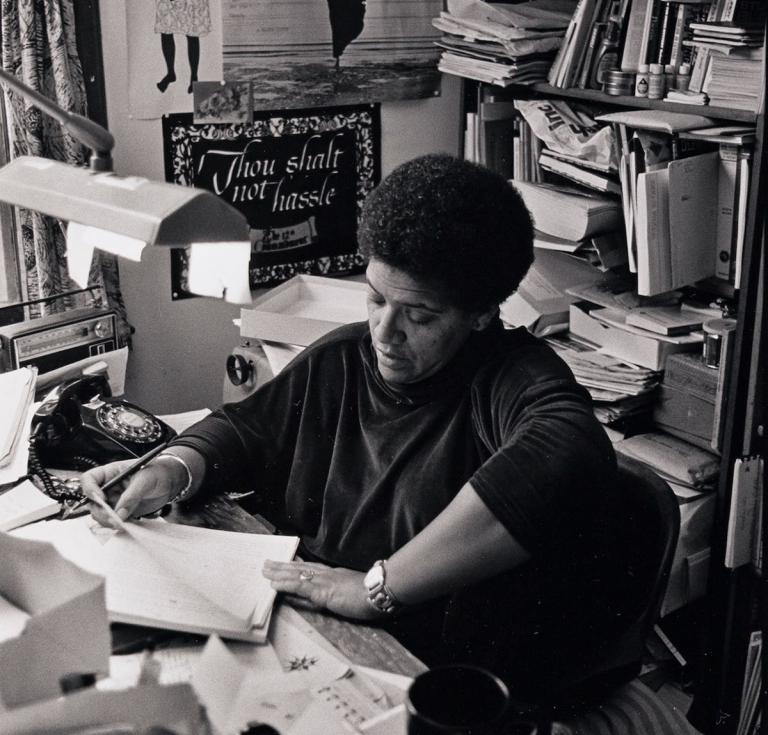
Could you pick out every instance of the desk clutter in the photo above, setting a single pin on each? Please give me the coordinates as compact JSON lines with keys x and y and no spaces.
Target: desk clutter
{"x":292,"y":680}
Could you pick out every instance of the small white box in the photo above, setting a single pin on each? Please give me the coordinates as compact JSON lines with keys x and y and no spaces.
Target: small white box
{"x":688,"y":575}
{"x":304,"y":309}
{"x":630,"y":346}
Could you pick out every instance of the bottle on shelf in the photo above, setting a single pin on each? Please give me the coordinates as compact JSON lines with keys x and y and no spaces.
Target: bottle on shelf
{"x":656,"y":82}
{"x":608,"y":53}
{"x":641,"y":81}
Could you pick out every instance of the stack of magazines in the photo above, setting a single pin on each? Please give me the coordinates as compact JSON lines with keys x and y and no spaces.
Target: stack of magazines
{"x":502,"y":44}
{"x":622,"y":393}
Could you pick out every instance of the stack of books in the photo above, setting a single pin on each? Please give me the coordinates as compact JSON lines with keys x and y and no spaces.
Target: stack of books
{"x":735,"y":80}
{"x":500,"y":44}
{"x":585,"y":225}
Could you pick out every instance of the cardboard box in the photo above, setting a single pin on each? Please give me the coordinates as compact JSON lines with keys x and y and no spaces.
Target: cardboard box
{"x":630,"y":346}
{"x":303,"y":309}
{"x":690,"y":565}
{"x":685,"y":405}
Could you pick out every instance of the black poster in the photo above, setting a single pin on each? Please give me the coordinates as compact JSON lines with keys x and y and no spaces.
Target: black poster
{"x":299,"y":177}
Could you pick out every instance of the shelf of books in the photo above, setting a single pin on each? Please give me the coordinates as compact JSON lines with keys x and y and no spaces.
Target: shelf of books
{"x":649,"y":217}
{"x":632,"y":101}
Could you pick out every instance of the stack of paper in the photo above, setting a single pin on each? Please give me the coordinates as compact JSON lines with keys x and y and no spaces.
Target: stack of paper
{"x":172,"y":576}
{"x":17,"y":388}
{"x":24,"y":504}
{"x":501,"y":44}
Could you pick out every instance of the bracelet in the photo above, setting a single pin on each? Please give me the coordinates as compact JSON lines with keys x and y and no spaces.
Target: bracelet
{"x":184,"y":493}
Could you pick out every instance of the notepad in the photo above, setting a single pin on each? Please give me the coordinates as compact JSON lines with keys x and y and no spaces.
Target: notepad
{"x":24,"y":504}
{"x":173,"y":576}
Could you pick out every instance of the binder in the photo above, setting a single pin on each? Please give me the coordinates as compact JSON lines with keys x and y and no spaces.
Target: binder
{"x":742,"y":516}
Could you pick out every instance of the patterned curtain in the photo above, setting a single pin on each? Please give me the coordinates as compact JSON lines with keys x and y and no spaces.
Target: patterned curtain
{"x":37,"y":41}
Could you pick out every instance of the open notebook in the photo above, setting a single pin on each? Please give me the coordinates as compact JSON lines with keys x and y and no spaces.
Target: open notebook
{"x":172,"y":576}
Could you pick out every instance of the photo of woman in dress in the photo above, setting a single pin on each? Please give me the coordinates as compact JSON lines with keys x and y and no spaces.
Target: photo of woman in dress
{"x":191,"y":18}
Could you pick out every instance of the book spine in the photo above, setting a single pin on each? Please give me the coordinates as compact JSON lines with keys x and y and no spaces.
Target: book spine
{"x":581,"y":34}
{"x":636,"y":40}
{"x":595,"y":38}
{"x":517,"y":155}
{"x":745,"y":166}
{"x":729,"y":11}
{"x":676,"y":50}
{"x":656,"y":32}
{"x":555,"y":71}
{"x":668,"y":34}
{"x":726,"y":206}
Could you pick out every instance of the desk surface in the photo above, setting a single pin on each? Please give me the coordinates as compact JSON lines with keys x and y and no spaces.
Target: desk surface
{"x":362,"y":644}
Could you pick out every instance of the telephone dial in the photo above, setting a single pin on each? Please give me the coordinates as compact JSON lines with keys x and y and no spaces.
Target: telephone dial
{"x":79,"y":425}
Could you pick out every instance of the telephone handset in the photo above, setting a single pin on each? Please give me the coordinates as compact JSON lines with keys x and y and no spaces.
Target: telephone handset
{"x":78,"y":425}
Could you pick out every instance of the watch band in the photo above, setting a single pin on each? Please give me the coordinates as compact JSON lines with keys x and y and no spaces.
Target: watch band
{"x":379,"y":595}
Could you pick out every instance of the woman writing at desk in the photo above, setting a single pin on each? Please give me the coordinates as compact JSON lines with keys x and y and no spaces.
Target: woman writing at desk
{"x":446,"y":476}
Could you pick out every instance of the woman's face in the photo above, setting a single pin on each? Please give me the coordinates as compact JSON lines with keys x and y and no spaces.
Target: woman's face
{"x":415,"y":332}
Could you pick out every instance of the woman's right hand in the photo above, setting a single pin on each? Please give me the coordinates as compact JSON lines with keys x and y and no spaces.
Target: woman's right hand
{"x":144,"y":492}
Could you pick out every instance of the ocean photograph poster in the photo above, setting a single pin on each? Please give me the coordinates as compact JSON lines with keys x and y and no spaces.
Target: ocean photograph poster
{"x":338,"y":52}
{"x":299,"y":177}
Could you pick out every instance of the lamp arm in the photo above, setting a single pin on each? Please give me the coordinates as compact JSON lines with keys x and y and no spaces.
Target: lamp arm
{"x":88,"y":132}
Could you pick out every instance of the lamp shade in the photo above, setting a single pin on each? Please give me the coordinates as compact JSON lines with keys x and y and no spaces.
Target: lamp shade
{"x":154,"y":212}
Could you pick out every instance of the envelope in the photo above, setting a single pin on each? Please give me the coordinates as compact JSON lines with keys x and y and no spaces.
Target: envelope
{"x":67,"y":631}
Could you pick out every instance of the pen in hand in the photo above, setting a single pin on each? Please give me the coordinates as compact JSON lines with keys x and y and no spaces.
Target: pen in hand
{"x":130,"y":470}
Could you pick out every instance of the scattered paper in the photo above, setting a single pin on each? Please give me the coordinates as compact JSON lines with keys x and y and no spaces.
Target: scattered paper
{"x":300,"y":648}
{"x":24,"y":504}
{"x":168,"y":709}
{"x":62,"y":601}
{"x":174,"y":665}
{"x":235,"y":696}
{"x":13,"y":619}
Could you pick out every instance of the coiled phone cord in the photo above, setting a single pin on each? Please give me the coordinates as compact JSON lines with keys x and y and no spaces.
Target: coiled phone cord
{"x":54,"y":487}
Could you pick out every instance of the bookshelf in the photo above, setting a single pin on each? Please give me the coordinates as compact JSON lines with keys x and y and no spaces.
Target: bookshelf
{"x":636,"y":103}
{"x":736,"y":598}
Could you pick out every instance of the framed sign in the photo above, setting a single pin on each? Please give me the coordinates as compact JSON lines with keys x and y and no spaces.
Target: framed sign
{"x":299,"y":176}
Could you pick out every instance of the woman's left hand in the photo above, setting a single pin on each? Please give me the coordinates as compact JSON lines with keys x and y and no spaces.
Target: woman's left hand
{"x":333,"y":588}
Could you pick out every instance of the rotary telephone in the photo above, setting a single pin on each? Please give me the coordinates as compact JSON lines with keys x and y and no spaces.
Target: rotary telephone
{"x":78,"y":425}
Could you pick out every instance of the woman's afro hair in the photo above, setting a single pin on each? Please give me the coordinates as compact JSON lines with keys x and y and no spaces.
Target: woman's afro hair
{"x":458,"y":226}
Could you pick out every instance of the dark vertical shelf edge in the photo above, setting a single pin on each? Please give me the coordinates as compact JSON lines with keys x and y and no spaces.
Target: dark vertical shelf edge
{"x":88,"y":29}
{"x":732,"y":593}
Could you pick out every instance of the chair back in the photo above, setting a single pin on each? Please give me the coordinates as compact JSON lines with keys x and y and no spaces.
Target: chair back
{"x":647,"y":519}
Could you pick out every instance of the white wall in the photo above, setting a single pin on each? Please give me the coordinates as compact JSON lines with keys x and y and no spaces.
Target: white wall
{"x":180,"y":347}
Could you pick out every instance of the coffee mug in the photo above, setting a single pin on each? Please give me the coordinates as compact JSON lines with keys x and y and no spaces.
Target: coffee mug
{"x":459,"y":699}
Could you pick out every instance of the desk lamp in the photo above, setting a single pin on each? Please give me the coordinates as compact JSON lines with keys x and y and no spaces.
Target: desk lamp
{"x":123,"y":214}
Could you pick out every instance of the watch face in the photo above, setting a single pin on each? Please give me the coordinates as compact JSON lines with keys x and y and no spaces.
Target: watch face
{"x":374,"y":577}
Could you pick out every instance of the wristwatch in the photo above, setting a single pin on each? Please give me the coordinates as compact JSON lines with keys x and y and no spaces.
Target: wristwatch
{"x":379,"y":595}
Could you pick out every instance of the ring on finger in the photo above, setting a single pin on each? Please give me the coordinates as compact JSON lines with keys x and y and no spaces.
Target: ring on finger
{"x":305,"y":575}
